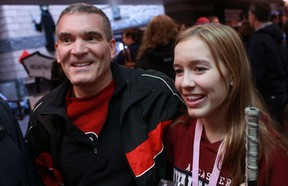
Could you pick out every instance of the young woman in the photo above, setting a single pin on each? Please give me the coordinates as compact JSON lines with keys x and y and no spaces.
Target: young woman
{"x":156,"y":49}
{"x":213,"y":77}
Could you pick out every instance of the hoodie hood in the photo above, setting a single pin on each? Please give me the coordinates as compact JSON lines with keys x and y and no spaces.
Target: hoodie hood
{"x":164,"y":54}
{"x":274,"y":31}
{"x":159,"y":58}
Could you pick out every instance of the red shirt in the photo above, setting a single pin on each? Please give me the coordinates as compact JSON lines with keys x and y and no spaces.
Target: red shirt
{"x":180,"y":138}
{"x":89,"y":114}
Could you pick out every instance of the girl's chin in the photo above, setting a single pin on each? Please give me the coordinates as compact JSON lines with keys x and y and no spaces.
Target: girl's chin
{"x":195,"y":114}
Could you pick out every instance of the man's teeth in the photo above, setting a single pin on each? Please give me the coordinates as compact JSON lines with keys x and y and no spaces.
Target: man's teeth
{"x":81,"y":64}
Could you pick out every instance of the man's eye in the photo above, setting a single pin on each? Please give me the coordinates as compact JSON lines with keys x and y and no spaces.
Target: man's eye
{"x":66,"y":40}
{"x":91,"y":38}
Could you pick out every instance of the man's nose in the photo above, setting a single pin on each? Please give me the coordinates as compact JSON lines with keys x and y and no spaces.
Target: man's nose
{"x":79,"y":47}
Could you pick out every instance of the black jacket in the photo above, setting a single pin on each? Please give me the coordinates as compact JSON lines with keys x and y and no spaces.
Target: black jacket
{"x":160,"y":58}
{"x":148,"y":103}
{"x":120,"y":58}
{"x":268,"y":60}
{"x":17,"y":168}
{"x":269,"y":66}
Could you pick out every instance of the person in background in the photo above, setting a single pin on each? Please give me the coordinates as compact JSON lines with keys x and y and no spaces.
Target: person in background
{"x":47,"y":24}
{"x":208,"y":144}
{"x":275,"y":18}
{"x":17,"y":167}
{"x":104,"y":124}
{"x":245,"y":32}
{"x":202,"y":20}
{"x":213,"y":19}
{"x":131,"y":38}
{"x":268,"y":58}
{"x":181,"y":27}
{"x":156,"y":49}
{"x":57,"y":75}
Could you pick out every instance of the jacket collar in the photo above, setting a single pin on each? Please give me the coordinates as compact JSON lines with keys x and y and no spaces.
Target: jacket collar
{"x":54,"y":102}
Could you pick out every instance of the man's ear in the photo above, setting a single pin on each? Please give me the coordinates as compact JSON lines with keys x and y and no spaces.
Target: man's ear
{"x":57,"y":56}
{"x":113,"y":48}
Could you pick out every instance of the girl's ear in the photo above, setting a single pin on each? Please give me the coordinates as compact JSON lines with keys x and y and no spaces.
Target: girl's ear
{"x":231,"y":82}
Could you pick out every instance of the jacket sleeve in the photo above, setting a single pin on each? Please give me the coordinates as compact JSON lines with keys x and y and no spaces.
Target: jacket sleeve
{"x":36,"y":137}
{"x":14,"y":131}
{"x":38,"y":142}
{"x":11,"y":123}
{"x":166,"y":103}
{"x":158,"y":104}
{"x":257,"y":58}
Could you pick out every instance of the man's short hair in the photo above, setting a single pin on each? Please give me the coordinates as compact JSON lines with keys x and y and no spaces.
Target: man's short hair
{"x":261,"y":9}
{"x":89,"y":9}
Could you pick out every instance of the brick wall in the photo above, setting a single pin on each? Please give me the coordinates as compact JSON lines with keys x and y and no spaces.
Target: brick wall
{"x":17,"y":33}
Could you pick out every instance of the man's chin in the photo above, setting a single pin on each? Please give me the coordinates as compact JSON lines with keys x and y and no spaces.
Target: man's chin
{"x":80,"y":82}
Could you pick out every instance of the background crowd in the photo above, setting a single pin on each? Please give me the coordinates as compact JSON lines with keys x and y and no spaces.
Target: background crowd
{"x":170,"y":104}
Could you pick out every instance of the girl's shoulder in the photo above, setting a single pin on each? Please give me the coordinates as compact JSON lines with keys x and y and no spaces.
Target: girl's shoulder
{"x":181,"y":125}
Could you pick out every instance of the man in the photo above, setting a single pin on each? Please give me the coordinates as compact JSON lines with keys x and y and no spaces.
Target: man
{"x":267,"y":58}
{"x":104,"y":124}
{"x":16,"y":164}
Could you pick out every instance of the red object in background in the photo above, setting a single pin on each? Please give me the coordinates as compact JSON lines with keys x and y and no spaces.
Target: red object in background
{"x":24,"y":54}
{"x":202,"y":20}
{"x":38,"y":65}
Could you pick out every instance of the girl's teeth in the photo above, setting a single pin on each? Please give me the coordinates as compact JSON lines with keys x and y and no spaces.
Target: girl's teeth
{"x":194,"y":98}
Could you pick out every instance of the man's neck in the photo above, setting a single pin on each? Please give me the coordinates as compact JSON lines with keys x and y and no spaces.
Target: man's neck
{"x":260,"y":25}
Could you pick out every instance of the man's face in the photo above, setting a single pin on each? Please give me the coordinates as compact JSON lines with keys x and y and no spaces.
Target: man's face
{"x":83,"y":51}
{"x":251,"y":18}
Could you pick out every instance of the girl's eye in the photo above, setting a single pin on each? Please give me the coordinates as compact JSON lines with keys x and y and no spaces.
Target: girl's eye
{"x":178,"y":71}
{"x":200,"y":69}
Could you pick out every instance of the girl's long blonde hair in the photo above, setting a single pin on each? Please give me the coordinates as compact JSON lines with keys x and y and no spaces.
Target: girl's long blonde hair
{"x":226,"y":46}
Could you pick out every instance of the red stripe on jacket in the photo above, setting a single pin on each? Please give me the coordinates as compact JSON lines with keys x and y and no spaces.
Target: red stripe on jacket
{"x":141,"y":159}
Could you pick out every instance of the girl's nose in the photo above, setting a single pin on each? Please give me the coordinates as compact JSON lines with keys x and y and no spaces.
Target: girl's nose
{"x":188,"y":80}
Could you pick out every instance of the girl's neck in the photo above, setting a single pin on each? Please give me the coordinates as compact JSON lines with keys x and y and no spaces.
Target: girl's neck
{"x":214,"y":128}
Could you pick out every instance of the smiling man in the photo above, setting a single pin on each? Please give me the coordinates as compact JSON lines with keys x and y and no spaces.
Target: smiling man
{"x":104,"y":124}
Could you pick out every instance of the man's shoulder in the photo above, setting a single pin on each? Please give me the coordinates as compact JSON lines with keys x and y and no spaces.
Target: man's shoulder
{"x":260,"y":36}
{"x":260,"y":39}
{"x":152,"y":77}
{"x":6,"y":114}
{"x":3,"y":105}
{"x":48,"y":98}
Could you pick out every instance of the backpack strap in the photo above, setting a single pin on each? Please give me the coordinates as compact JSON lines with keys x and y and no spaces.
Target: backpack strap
{"x":128,"y":62}
{"x":127,"y":55}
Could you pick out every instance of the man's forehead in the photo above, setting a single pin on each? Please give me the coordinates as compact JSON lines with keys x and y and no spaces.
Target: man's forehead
{"x":80,"y":15}
{"x":79,"y":21}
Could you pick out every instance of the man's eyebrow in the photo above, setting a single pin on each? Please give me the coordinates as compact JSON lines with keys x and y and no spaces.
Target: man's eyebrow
{"x":95,"y":33}
{"x":63,"y":34}
{"x":98,"y":34}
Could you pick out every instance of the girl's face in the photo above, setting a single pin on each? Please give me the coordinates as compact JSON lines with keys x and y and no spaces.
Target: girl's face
{"x":198,"y":80}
